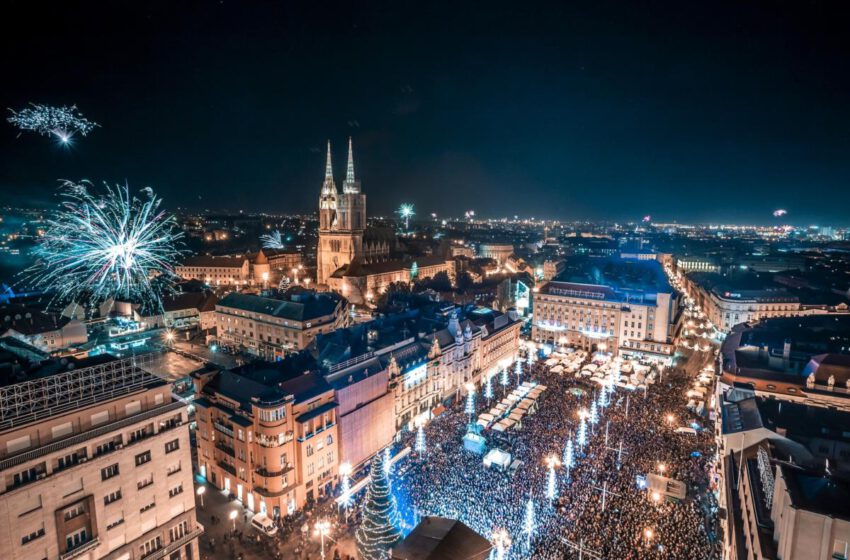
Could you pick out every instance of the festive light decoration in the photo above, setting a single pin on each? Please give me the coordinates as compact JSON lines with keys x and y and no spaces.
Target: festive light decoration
{"x":552,"y":483}
{"x":107,"y":245}
{"x":488,"y":388}
{"x":529,"y":524}
{"x":420,"y":446}
{"x":569,"y":456}
{"x":582,"y":431}
{"x":518,"y":372}
{"x":603,"y":396}
{"x":594,"y":414}
{"x":379,"y":526}
{"x":470,"y":399}
{"x":766,"y":475}
{"x":779,"y":213}
{"x":406,"y":212}
{"x":502,"y":542}
{"x":273,"y":240}
{"x":61,"y":122}
{"x":503,"y":381}
{"x":345,"y":491}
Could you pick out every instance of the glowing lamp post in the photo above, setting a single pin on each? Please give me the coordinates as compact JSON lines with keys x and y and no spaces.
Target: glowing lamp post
{"x":582,"y":430}
{"x":200,"y":492}
{"x":233,"y":515}
{"x":322,"y":530}
{"x":648,"y":535}
{"x":661,"y":468}
{"x":552,"y":485}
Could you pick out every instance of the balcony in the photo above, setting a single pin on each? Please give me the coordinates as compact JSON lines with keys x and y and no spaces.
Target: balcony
{"x":82,"y":549}
{"x":223,"y":429}
{"x":273,"y":474}
{"x":176,"y":545}
{"x":226,"y":448}
{"x":226,"y":467}
{"x":79,"y":439}
{"x":265,"y":441}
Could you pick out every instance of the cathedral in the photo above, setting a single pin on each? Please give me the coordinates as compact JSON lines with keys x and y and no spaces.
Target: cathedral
{"x":359,"y":261}
{"x":343,"y":236}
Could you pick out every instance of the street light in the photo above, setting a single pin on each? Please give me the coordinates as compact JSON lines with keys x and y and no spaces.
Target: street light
{"x":661,"y":468}
{"x":656,"y":497}
{"x":670,"y":419}
{"x":323,"y":528}
{"x":200,"y":492}
{"x":648,"y":534}
{"x":233,"y":515}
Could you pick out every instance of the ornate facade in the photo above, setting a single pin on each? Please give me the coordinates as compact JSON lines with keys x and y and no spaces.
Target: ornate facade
{"x":342,"y":224}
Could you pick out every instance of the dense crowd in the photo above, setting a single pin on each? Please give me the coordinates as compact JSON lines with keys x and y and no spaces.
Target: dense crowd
{"x":453,"y":482}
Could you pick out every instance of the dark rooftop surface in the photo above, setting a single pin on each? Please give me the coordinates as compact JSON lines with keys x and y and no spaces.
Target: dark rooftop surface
{"x":827,"y":494}
{"x":439,"y":538}
{"x":294,"y":306}
{"x":620,"y":274}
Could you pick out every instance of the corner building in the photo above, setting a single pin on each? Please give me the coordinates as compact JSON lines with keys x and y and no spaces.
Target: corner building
{"x":95,"y":464}
{"x":269,"y":439}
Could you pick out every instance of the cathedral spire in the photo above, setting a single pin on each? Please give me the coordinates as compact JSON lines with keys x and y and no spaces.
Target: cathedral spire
{"x":329,"y":187}
{"x":329,"y":170}
{"x":351,"y":184}
{"x":349,"y":173}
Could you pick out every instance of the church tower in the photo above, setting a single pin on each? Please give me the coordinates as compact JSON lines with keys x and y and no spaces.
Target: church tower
{"x":342,"y":220}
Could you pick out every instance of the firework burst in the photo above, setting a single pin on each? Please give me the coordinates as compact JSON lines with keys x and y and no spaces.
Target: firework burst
{"x":274,"y":240}
{"x":61,"y":122}
{"x":107,"y":245}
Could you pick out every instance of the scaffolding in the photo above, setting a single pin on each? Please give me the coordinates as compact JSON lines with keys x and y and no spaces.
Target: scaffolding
{"x":30,"y":401}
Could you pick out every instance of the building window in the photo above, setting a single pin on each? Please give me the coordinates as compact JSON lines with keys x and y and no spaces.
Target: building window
{"x":76,"y":539}
{"x":179,"y":531}
{"x":112,"y":497}
{"x":143,"y":458}
{"x":175,"y":491}
{"x":148,"y":507}
{"x":74,"y":511}
{"x":151,"y":546}
{"x":172,"y":446}
{"x":115,"y":523}
{"x":109,"y":472}
{"x":32,"y":536}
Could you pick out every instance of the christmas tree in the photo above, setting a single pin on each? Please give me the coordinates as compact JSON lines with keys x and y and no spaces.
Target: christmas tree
{"x":379,"y":527}
{"x":420,"y":446}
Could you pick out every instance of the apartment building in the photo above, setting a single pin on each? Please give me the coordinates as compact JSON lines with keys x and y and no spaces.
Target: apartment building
{"x":272,"y":326}
{"x":95,"y":463}
{"x":267,"y":437}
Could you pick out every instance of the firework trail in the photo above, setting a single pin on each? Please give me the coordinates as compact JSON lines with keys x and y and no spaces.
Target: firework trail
{"x":274,"y":240}
{"x":107,"y":245}
{"x":61,"y":122}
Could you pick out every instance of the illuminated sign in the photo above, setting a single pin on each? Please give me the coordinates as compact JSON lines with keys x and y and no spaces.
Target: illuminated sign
{"x":415,"y":375}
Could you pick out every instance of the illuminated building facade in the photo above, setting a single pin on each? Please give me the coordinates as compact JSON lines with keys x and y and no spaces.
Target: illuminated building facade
{"x":609,"y":317}
{"x":268,"y":438}
{"x":270,"y":327}
{"x":95,"y":463}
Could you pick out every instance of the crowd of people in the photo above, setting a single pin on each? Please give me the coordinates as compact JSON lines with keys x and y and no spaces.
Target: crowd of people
{"x":600,"y":506}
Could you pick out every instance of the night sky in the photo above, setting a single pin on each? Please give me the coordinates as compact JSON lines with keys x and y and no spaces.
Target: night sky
{"x":689,"y":111}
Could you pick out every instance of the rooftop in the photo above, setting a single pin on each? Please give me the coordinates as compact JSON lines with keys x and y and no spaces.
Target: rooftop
{"x":439,"y":538}
{"x":303,"y":305}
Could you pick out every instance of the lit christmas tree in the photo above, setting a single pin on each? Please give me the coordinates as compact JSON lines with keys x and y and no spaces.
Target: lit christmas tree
{"x":582,"y":432}
{"x":470,"y":400}
{"x":420,"y":446}
{"x":569,"y":456}
{"x":518,"y":372}
{"x":379,"y":527}
{"x":594,"y":414}
{"x":488,"y":388}
{"x":529,"y":525}
{"x":504,"y":380}
{"x":552,"y":483}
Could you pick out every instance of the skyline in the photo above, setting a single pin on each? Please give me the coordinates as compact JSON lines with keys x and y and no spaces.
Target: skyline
{"x":608,"y":115}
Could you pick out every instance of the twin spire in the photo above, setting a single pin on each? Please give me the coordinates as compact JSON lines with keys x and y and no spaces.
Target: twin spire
{"x":351,"y":184}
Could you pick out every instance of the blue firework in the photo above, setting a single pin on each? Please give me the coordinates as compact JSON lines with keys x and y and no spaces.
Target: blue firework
{"x":108,"y":244}
{"x":62,"y":122}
